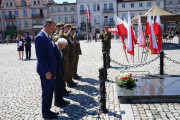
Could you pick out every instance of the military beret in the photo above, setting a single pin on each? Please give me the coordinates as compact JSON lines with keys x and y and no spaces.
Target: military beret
{"x":67,"y":25}
{"x":106,"y":27}
{"x":74,"y":27}
{"x":59,"y":24}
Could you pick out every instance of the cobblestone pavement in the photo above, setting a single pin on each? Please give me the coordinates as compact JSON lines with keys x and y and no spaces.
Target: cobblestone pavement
{"x":20,"y":90}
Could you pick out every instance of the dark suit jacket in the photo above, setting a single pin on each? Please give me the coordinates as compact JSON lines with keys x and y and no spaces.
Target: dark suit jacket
{"x":46,"y":60}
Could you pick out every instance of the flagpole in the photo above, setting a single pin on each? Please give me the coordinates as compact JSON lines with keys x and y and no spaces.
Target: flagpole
{"x":138,"y":51}
{"x":142,"y":54}
{"x":87,"y":29}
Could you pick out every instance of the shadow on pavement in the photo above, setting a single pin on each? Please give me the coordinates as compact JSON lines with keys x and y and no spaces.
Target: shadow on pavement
{"x":170,"y":46}
{"x":89,"y":80}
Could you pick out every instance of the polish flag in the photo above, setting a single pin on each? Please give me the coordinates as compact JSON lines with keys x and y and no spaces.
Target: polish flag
{"x":122,"y":30}
{"x":88,"y":13}
{"x":158,"y":31}
{"x":150,"y":31}
{"x":142,"y":40}
{"x":113,"y":30}
{"x":130,"y":47}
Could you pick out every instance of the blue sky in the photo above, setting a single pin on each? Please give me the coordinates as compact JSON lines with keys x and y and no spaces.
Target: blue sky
{"x":61,"y":1}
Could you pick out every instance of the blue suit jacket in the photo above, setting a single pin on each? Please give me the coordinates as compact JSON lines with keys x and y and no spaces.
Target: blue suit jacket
{"x":46,"y":60}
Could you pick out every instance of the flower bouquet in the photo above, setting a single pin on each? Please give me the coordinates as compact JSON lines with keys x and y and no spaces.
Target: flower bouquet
{"x":126,"y":81}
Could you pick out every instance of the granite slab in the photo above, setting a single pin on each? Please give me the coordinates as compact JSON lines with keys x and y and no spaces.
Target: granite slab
{"x":151,"y":89}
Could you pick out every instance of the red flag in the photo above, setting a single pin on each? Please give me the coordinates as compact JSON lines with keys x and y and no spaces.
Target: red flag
{"x":150,"y":31}
{"x":88,"y":13}
{"x":122,"y":30}
{"x":142,"y":40}
{"x":131,"y":37}
{"x":113,"y":30}
{"x":158,"y":31}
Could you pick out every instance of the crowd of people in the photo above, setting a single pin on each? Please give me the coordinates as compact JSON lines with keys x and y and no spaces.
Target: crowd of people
{"x":57,"y":60}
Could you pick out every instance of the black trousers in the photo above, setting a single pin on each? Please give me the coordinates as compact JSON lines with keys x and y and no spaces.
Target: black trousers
{"x":28,"y":52}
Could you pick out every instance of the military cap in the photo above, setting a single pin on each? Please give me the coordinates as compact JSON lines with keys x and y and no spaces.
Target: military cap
{"x":106,"y":26}
{"x":74,"y":27}
{"x":67,"y":25}
{"x":59,"y":24}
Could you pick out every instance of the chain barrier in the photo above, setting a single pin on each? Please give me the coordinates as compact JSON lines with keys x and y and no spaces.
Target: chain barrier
{"x":135,"y":66}
{"x":174,"y":61}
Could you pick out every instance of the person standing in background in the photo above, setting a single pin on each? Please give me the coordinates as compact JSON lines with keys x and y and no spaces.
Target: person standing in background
{"x":20,"y":44}
{"x":27,"y":40}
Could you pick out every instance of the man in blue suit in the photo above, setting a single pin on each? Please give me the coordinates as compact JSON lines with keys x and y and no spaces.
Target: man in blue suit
{"x":46,"y":67}
{"x":59,"y":81}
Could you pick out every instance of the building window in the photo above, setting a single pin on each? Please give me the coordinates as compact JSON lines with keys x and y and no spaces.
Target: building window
{"x":132,"y":15}
{"x":71,"y":7}
{"x":72,"y":19}
{"x":95,"y":20}
{"x":11,"y":4}
{"x":158,"y":3}
{"x":178,"y":1}
{"x":4,"y":24}
{"x":149,"y":4}
{"x":42,"y":22}
{"x":59,"y":9}
{"x":105,"y":6}
{"x":94,"y":7}
{"x":123,"y":5}
{"x":66,"y":19}
{"x":105,"y":18}
{"x":53,"y":19}
{"x":52,"y":9}
{"x":33,"y":12}
{"x":123,"y":16}
{"x":111,"y":6}
{"x":111,"y":19}
{"x":170,"y":1}
{"x":17,"y":24}
{"x":34,"y":21}
{"x":59,"y":19}
{"x":132,"y":5}
{"x":140,"y":5}
{"x":98,"y":19}
{"x":82,"y":19}
{"x":65,"y":8}
{"x":25,"y":12}
{"x":38,"y":2}
{"x":6,"y":4}
{"x":34,"y":2}
{"x":81,"y":7}
{"x":3,"y":13}
{"x":25,"y":23}
{"x":16,"y":13}
{"x":98,"y":7}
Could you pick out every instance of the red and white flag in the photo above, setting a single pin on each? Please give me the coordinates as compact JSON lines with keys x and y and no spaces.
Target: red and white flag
{"x":141,"y":38}
{"x":131,"y":37}
{"x":122,"y":30}
{"x":88,"y":13}
{"x":113,"y":30}
{"x":150,"y":31}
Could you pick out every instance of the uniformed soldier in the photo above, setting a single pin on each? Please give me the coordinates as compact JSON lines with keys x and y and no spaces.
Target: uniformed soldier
{"x":106,"y":44}
{"x":59,"y":31}
{"x":68,"y":54}
{"x":78,"y":52}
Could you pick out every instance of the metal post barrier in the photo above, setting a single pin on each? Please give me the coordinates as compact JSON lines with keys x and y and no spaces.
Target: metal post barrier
{"x":105,"y":65}
{"x":161,"y":62}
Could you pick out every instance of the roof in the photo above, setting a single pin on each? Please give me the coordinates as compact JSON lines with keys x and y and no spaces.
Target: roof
{"x":18,"y":2}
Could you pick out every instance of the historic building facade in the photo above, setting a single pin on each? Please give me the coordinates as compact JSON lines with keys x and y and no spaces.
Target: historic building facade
{"x":102,"y":12}
{"x":19,"y":16}
{"x":65,"y":12}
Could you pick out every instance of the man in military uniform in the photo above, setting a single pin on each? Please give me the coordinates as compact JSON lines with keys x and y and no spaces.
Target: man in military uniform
{"x":106,"y":44}
{"x":78,"y":52}
{"x":59,"y":32}
{"x":68,"y":54}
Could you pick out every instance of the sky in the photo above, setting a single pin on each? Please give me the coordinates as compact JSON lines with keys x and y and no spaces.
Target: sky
{"x":61,"y":1}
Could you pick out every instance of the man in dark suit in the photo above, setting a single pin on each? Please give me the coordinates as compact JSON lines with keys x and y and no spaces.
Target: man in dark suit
{"x":46,"y":67}
{"x":59,"y":81}
{"x":27,"y":40}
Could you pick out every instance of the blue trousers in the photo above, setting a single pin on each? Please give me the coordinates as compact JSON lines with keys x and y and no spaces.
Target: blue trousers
{"x":47,"y":94}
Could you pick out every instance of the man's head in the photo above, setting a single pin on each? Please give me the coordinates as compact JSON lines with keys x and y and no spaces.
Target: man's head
{"x":26,"y":34}
{"x":49,"y":26}
{"x":59,"y":26}
{"x":74,"y":28}
{"x":61,"y":43}
{"x":67,"y":27}
{"x":106,"y":28}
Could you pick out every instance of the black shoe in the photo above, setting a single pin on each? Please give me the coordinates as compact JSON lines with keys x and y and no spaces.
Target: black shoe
{"x":50,"y":117}
{"x":54,"y":113}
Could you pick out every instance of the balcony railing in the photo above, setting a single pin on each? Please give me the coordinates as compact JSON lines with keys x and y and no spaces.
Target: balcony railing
{"x":10,"y":17}
{"x":108,"y":10}
{"x":106,"y":23}
{"x":82,"y":12}
{"x":37,"y":15}
{"x":10,"y":27}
